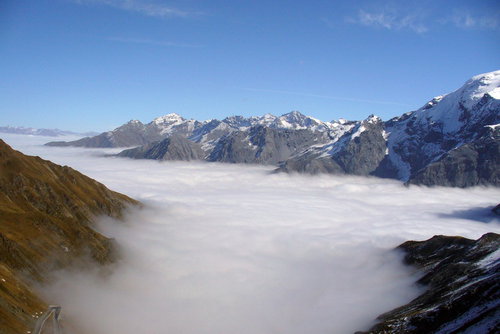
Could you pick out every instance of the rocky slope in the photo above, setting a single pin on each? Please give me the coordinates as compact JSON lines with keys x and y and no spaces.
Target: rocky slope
{"x":174,"y":147}
{"x":462,"y":277}
{"x":357,"y":148}
{"x":474,"y":163}
{"x":46,"y":214}
{"x":264,"y":145}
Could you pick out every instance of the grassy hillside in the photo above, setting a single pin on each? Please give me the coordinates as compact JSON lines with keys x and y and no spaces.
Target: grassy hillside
{"x":46,"y":214}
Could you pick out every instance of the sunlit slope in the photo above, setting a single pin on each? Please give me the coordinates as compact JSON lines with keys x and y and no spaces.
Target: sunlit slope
{"x":46,"y":212}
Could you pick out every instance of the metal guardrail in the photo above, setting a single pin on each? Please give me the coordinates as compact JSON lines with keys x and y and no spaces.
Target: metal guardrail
{"x":53,"y":310}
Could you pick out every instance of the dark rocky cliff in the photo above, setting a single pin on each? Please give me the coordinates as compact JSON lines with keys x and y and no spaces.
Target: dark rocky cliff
{"x":462,"y":277}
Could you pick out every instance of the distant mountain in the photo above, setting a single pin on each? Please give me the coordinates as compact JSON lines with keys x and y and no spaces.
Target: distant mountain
{"x":453,"y":140}
{"x":206,"y":133}
{"x":462,"y":278}
{"x":46,"y":213}
{"x":42,"y":132}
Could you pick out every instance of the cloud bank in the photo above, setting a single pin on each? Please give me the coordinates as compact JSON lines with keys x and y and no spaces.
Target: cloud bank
{"x":234,"y":249}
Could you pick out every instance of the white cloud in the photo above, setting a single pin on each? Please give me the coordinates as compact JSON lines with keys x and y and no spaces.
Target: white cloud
{"x":233,"y":249}
{"x":466,"y":20}
{"x":389,"y":20}
{"x":147,"y":8}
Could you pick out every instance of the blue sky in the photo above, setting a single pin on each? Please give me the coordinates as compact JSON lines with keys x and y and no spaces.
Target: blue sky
{"x":95,"y":64}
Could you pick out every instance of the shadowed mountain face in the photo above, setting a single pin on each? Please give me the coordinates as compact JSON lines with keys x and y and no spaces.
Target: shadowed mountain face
{"x":358,"y":150}
{"x":474,"y":163}
{"x":171,"y":148}
{"x":46,"y":212}
{"x":263,"y":145}
{"x":463,"y":288}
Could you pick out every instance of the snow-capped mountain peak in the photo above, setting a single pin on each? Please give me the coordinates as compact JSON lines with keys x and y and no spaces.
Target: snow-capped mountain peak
{"x":453,"y":111}
{"x":169,"y":119}
{"x":373,"y":119}
{"x":487,"y":83}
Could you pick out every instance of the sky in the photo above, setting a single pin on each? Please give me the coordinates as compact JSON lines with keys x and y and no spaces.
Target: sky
{"x":225,"y":248}
{"x":92,"y":65}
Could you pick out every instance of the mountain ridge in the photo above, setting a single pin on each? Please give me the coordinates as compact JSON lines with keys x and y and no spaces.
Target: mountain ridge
{"x":43,"y":132}
{"x":402,"y":148}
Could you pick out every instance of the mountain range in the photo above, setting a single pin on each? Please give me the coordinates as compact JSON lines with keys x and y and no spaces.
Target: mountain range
{"x":42,"y":132}
{"x":453,"y":140}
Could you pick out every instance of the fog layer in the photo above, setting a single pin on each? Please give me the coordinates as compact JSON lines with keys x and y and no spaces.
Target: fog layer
{"x":234,"y":249}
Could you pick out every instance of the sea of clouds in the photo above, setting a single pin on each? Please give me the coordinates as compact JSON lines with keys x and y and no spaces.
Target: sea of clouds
{"x":221,"y":248}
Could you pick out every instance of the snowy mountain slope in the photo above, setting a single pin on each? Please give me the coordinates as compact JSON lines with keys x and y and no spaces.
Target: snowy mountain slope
{"x":446,"y":122}
{"x":355,"y":148}
{"x":419,"y":139}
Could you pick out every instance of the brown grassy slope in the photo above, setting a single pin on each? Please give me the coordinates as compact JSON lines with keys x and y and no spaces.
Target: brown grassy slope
{"x":45,"y":216}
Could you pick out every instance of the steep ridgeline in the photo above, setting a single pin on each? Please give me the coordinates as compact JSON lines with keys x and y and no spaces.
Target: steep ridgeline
{"x":462,"y":277}
{"x":452,"y":141}
{"x":46,"y":212}
{"x":206,"y":133}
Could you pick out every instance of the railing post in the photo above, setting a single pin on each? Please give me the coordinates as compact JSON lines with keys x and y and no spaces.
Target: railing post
{"x":53,"y":310}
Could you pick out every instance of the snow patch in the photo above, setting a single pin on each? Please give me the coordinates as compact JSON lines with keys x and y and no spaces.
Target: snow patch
{"x":489,"y":259}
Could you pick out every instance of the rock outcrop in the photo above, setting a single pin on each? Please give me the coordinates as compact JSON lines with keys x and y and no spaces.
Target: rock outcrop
{"x":462,"y":277}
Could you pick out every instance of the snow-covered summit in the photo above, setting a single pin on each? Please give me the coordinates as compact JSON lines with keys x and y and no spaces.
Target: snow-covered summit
{"x":454,"y":109}
{"x":297,"y":120}
{"x":168,"y":119}
{"x":485,"y":83}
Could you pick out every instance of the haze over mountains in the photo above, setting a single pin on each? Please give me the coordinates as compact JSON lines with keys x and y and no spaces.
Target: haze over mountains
{"x":42,"y":132}
{"x":453,"y":140}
